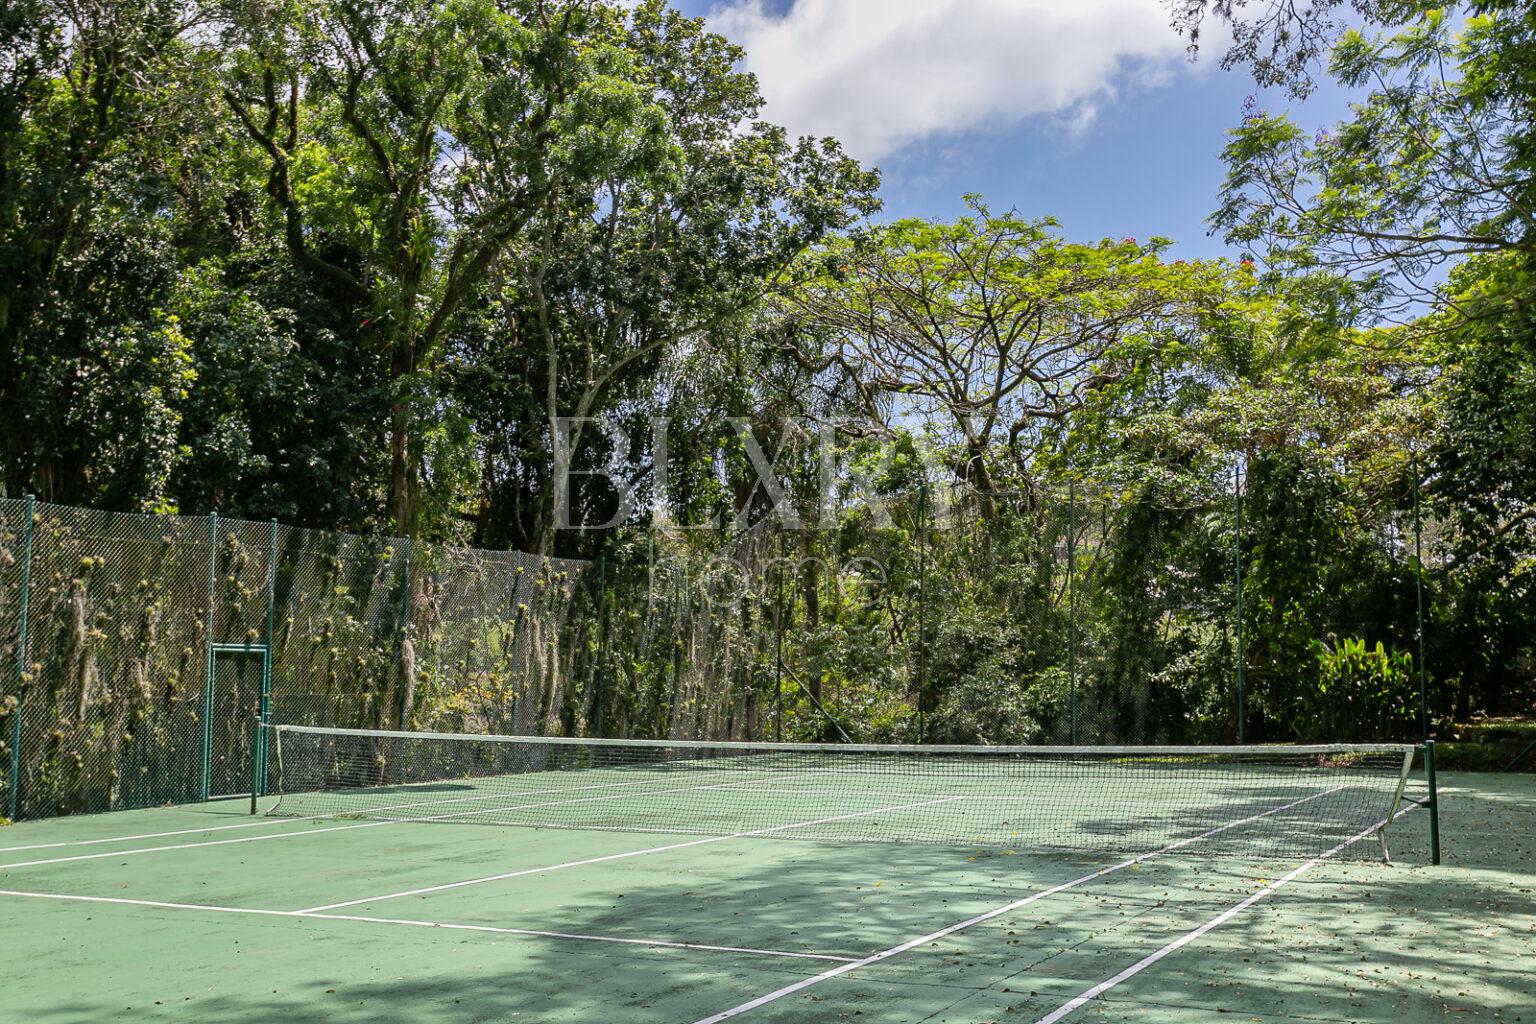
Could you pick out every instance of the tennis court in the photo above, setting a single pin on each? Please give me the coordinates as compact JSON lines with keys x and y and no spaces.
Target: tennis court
{"x":394,"y":876}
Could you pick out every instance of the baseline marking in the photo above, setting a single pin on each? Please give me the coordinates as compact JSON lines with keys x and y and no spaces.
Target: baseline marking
{"x":1088,"y":995}
{"x":621,"y":856}
{"x":886,"y":954}
{"x":535,"y":933}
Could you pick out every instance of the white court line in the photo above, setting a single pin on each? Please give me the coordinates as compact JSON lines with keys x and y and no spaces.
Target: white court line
{"x":1226,"y":915}
{"x":268,"y":822}
{"x":187,"y":846}
{"x":886,"y":954}
{"x":264,"y":823}
{"x":430,"y":924}
{"x":629,"y":853}
{"x":347,"y":828}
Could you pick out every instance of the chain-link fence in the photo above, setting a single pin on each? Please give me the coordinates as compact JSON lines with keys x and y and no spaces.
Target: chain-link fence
{"x":1048,"y":618}
{"x":1073,"y":614}
{"x":136,"y":651}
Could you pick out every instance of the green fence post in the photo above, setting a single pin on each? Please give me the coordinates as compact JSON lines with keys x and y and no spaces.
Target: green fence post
{"x":405,"y":624}
{"x":778,"y":645}
{"x":1072,"y":600}
{"x":205,"y":779}
{"x":922,"y":610}
{"x":601,"y":695}
{"x":1237,"y":555}
{"x":1418,"y":586}
{"x":21,"y":658}
{"x":264,"y":705}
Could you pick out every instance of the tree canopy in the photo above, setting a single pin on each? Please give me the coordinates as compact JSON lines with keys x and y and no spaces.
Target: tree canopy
{"x":393,"y":266}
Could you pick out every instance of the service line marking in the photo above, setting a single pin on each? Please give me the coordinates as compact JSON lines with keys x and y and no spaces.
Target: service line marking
{"x":1090,"y":994}
{"x":628,"y":853}
{"x":1008,"y":908}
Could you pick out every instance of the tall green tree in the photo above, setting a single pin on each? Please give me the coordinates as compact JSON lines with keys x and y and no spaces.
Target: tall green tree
{"x":422,"y":137}
{"x":1483,"y":489}
{"x":94,"y":100}
{"x":626,"y":288}
{"x":1434,"y":166}
{"x":992,"y":327}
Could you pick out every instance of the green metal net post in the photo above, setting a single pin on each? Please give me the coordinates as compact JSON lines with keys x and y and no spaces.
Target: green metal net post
{"x":21,"y":658}
{"x":257,"y":774}
{"x":1433,"y":803}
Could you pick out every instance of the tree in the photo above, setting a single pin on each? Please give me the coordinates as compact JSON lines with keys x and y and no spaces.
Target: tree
{"x":624,"y":283}
{"x":1434,"y":166}
{"x":990,"y":327}
{"x":94,"y":99}
{"x":1283,"y":40}
{"x":425,"y":136}
{"x":1482,"y":488}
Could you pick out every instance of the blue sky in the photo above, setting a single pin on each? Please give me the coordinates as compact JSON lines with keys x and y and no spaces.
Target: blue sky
{"x":1086,"y":110}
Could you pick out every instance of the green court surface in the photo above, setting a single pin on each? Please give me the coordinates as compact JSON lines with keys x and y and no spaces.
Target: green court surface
{"x":205,"y":913}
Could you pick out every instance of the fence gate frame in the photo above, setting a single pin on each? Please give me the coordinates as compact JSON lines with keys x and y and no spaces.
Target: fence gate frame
{"x":263,"y":711}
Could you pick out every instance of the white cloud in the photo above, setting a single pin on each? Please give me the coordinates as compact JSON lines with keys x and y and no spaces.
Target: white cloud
{"x":880,"y":74}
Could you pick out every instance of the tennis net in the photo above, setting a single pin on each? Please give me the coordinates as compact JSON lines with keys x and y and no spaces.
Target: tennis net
{"x":1255,"y":801}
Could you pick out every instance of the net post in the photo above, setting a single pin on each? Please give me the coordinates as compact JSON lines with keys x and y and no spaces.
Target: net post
{"x":14,"y":807}
{"x":275,"y":740}
{"x":1433,"y":805}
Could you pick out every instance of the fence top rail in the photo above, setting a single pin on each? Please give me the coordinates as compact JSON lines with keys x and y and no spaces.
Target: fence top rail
{"x":229,"y":524}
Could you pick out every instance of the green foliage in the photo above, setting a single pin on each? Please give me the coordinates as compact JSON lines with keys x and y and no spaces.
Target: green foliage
{"x":346,"y":264}
{"x":1356,"y":693}
{"x":991,"y":328}
{"x":1484,"y":490}
{"x":1434,"y":166}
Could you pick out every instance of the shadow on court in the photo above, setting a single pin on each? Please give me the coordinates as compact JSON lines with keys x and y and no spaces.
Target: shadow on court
{"x":1350,"y":942}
